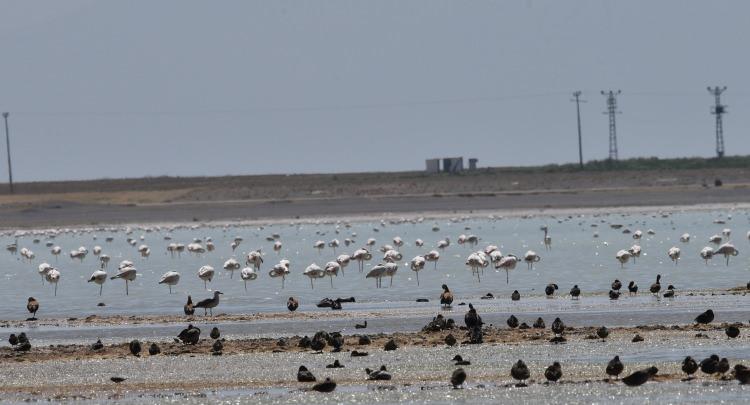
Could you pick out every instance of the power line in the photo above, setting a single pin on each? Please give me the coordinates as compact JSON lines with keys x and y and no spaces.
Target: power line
{"x":718,"y":110}
{"x":7,"y":144}
{"x":578,"y":101}
{"x":612,"y":111}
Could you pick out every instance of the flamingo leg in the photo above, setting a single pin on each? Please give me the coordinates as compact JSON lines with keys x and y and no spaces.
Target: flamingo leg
{"x":205,"y":285}
{"x":507,"y":277}
{"x":417,"y":278}
{"x":55,"y":289}
{"x":331,"y":277}
{"x":126,"y":287}
{"x":245,"y":285}
{"x":311,"y":284}
{"x":170,"y":289}
{"x":101,"y":286}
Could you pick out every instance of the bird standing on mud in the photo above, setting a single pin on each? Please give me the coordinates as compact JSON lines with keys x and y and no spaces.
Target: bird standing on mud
{"x":189,"y":308}
{"x":209,"y":303}
{"x":292,"y":304}
{"x":446,"y":297}
{"x":32,"y":305}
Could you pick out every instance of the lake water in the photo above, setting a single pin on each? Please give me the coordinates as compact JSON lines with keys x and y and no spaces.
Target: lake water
{"x":576,"y":257}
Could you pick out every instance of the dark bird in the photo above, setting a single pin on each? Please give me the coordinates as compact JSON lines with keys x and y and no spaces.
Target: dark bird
{"x":98,"y":345}
{"x":553,"y":372}
{"x":326,"y":386}
{"x":515,"y":296}
{"x":722,"y":366}
{"x":450,"y":340}
{"x":360,"y":326}
{"x":188,"y":308}
{"x":32,"y":305}
{"x":640,"y":377}
{"x":616,"y":285}
{"x":135,"y":347}
{"x":22,"y":338}
{"x":670,"y":292}
{"x":460,"y":361}
{"x":512,"y":322}
{"x":215,"y":334}
{"x":550,"y":290}
{"x":380,"y":375}
{"x":520,"y":372}
{"x":446,"y":297}
{"x":575,"y":292}
{"x":710,"y":365}
{"x":689,"y":366}
{"x":335,"y":364}
{"x":558,"y":327}
{"x":458,"y":377}
{"x":209,"y":303}
{"x":13,"y":339}
{"x":189,"y":335}
{"x":318,"y":345}
{"x":217,"y":347}
{"x":154,"y":349}
{"x":656,"y":287}
{"x":742,"y":374}
{"x":602,"y":332}
{"x":23,"y":346}
{"x":292,"y":304}
{"x":472,"y":319}
{"x":539,"y":323}
{"x":614,"y":367}
{"x":303,"y":375}
{"x":356,"y":353}
{"x":633,"y":288}
{"x":390,"y":345}
{"x":117,"y":380}
{"x":613,"y":295}
{"x":337,"y":341}
{"x":705,"y":318}
{"x":732,"y":331}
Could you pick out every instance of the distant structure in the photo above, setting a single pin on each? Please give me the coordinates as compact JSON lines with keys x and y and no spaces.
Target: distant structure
{"x":449,"y":165}
{"x":578,"y":101}
{"x":612,"y":111}
{"x":453,"y":165}
{"x":718,"y":110}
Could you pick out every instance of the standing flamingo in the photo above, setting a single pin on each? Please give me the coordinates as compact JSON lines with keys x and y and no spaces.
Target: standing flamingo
{"x":332,"y":269}
{"x":206,"y":273}
{"x":53,"y":277}
{"x":314,"y":271}
{"x":280,"y":270}
{"x":417,"y":265}
{"x":99,"y":277}
{"x":231,"y":265}
{"x":170,"y":278}
{"x":377,"y":272}
{"x":248,"y":273}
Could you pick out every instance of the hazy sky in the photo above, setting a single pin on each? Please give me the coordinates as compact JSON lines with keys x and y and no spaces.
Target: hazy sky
{"x":132,"y":88}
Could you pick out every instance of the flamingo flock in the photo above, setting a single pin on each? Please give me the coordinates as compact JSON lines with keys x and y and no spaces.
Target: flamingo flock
{"x":477,"y":259}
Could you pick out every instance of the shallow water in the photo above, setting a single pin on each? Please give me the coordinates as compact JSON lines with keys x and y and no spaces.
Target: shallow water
{"x":576,"y":257}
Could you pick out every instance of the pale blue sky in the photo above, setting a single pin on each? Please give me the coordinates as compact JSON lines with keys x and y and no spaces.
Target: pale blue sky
{"x":133,"y":88}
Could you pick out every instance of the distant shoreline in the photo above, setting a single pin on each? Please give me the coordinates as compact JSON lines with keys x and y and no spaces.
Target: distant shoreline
{"x":533,"y":202}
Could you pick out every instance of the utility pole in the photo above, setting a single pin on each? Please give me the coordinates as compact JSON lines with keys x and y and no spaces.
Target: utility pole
{"x":612,"y":111}
{"x":577,"y":96}
{"x":7,"y":144}
{"x":718,"y":109}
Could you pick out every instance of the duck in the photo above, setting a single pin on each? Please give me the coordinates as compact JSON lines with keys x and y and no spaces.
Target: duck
{"x":516,"y":296}
{"x":32,"y":305}
{"x":705,"y":318}
{"x":189,"y":308}
{"x":304,"y":375}
{"x":520,"y":372}
{"x":326,"y":386}
{"x":616,"y":285}
{"x":575,"y":292}
{"x":710,"y":365}
{"x":632,"y":288}
{"x":460,"y":361}
{"x":550,"y":289}
{"x":446,"y":297}
{"x":335,"y":364}
{"x":602,"y":332}
{"x":614,"y":295}
{"x":190,"y":335}
{"x":553,"y":372}
{"x":614,"y":367}
{"x":472,"y":319}
{"x":512,"y":322}
{"x":539,"y":323}
{"x":689,"y":367}
{"x":135,"y":347}
{"x":732,"y":331}
{"x":292,"y":304}
{"x":215,"y":334}
{"x":458,"y":377}
{"x":640,"y":377}
{"x":378,"y":375}
{"x":656,"y":286}
{"x":558,"y":327}
{"x":670,"y":292}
